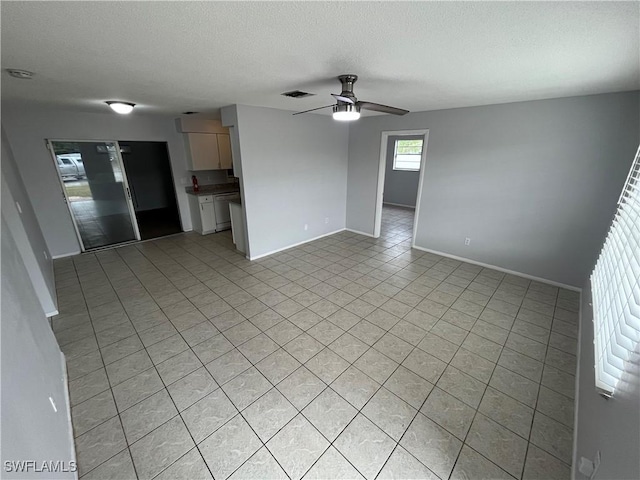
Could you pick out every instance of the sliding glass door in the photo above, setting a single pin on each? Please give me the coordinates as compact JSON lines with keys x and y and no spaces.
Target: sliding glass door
{"x":96,"y":191}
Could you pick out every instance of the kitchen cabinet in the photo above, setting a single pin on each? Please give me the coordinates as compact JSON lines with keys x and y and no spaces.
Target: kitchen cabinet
{"x":203,"y":215}
{"x":208,"y":151}
{"x":224,"y":150}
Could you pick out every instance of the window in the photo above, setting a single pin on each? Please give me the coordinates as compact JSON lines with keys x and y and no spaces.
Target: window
{"x":407,"y":155}
{"x":66,"y":161}
{"x":616,"y":289}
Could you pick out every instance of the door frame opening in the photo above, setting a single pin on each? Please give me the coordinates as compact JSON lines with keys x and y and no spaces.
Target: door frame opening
{"x":384,"y":140}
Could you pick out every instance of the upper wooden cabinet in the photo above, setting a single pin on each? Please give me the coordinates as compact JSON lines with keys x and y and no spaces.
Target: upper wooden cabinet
{"x":199,"y":124}
{"x":208,"y":151}
{"x":207,"y":141}
{"x":224,"y":150}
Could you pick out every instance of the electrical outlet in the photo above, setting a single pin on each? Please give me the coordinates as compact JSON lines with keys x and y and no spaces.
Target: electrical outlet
{"x":326,"y":220}
{"x":306,"y":227}
{"x":467,"y":241}
{"x":19,"y":208}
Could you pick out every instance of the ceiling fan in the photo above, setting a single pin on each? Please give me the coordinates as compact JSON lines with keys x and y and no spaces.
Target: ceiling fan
{"x":348,"y":106}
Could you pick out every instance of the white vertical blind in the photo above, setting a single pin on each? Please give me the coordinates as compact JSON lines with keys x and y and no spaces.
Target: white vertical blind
{"x":615,"y":286}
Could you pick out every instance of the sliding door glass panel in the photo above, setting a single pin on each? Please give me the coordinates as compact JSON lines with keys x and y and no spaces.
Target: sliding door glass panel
{"x":96,"y":191}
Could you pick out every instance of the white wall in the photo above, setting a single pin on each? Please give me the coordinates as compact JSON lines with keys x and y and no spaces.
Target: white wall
{"x":28,"y":126}
{"x":610,"y":426}
{"x":533,"y":184}
{"x":23,"y":225}
{"x":32,"y":373}
{"x":293,"y":172}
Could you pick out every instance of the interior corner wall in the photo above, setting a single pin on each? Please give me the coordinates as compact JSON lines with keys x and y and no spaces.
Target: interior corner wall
{"x":36,"y":423}
{"x":606,"y":425}
{"x":400,"y":186}
{"x":27,"y":126}
{"x":229,"y":116}
{"x":533,"y":184}
{"x":294,"y":173}
{"x":23,"y":225}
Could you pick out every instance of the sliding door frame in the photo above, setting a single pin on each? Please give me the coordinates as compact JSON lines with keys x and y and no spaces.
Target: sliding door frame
{"x":125,"y":182}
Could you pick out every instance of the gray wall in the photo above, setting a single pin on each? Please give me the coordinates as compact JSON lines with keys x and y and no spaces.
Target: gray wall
{"x":294,"y":172}
{"x":32,"y":372}
{"x":24,"y":227}
{"x":611,"y":426}
{"x":533,"y":184}
{"x":27,"y":128}
{"x":400,"y":187}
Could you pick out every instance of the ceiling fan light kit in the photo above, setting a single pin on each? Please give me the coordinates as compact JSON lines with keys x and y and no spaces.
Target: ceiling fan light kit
{"x":346,"y":112}
{"x":348,"y":106}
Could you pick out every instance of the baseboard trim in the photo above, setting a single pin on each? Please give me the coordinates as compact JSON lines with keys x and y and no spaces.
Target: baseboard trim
{"x":359,"y":232}
{"x":500,"y":269}
{"x":67,"y":404}
{"x":256,"y":257}
{"x":399,"y":205}
{"x":63,"y":255}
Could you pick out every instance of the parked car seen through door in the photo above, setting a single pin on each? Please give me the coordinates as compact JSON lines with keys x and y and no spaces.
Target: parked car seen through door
{"x":70,"y":166}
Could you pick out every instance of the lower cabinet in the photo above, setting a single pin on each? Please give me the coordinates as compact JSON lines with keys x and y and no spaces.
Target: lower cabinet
{"x":203,"y":214}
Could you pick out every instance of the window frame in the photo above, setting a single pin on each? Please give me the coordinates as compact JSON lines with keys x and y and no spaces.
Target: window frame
{"x":418,"y":155}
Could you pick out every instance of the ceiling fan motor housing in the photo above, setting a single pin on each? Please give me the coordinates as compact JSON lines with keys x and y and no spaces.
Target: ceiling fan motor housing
{"x":347,"y":86}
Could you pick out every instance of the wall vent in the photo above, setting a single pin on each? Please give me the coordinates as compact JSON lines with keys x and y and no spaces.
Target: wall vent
{"x":297,"y":94}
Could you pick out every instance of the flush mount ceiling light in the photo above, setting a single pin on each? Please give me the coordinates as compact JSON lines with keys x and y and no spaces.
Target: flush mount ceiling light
{"x":346,"y":112}
{"x":121,"y":107}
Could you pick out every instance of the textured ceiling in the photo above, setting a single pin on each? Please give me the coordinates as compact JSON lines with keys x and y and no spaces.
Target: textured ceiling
{"x":177,"y":56}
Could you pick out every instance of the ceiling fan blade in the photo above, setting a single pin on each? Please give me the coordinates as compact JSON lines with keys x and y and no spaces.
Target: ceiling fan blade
{"x":343,"y":99}
{"x":376,"y":107}
{"x":313,"y":109}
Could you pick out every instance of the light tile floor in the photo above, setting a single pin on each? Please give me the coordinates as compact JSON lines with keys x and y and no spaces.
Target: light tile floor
{"x":347,"y":357}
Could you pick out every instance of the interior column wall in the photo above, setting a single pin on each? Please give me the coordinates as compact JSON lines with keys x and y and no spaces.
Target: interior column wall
{"x":293,"y":175}
{"x":23,"y":224}
{"x":36,"y":423}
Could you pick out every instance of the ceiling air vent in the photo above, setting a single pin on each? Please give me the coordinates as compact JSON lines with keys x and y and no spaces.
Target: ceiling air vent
{"x":297,"y":94}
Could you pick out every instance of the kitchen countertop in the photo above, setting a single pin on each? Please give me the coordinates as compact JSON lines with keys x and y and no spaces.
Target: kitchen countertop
{"x":217,"y":189}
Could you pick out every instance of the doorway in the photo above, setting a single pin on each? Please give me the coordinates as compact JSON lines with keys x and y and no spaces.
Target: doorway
{"x":400,"y":180}
{"x":117,"y":192}
{"x":153,"y":193}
